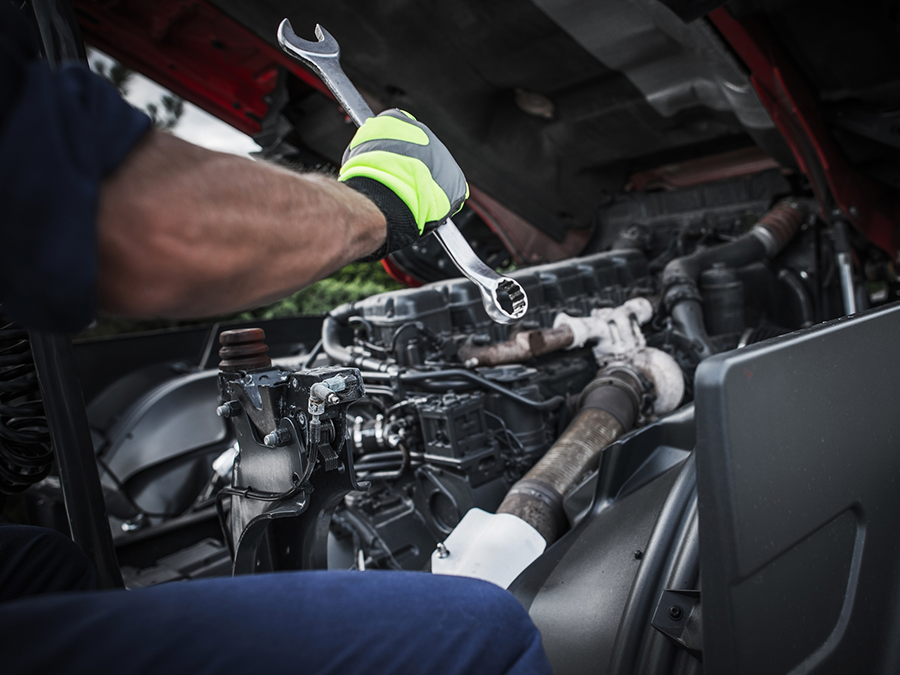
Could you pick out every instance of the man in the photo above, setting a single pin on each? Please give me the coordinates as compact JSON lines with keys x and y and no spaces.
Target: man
{"x":100,"y":212}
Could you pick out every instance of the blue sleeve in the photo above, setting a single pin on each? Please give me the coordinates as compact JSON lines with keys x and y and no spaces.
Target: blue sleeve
{"x":61,"y":133}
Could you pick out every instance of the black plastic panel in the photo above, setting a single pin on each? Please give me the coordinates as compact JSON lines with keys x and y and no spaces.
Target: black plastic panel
{"x":798,"y":459}
{"x":593,"y":592}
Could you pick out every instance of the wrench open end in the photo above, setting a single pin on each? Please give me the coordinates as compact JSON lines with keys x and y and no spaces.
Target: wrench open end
{"x":302,"y":49}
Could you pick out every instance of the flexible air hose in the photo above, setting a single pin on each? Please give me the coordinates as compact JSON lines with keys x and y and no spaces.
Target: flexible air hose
{"x":610,"y":405}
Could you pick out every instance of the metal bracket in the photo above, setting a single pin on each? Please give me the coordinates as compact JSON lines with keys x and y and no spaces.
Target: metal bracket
{"x":678,"y":617}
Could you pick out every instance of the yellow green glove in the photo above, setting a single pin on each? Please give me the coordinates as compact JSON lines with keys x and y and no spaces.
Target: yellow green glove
{"x":400,"y":165}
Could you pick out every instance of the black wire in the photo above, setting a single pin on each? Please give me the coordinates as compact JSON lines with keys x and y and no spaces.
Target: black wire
{"x":379,"y":457}
{"x":423,"y":377}
{"x":250,"y":493}
{"x":549,"y":404}
{"x":377,"y":466}
{"x":388,"y":475}
{"x":226,"y":535}
{"x":509,"y":434}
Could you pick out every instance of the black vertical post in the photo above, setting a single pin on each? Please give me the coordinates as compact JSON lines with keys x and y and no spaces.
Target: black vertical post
{"x":71,"y":436}
{"x":55,"y":364}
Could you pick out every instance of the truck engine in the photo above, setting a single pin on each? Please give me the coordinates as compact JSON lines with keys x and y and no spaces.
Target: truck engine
{"x":680,"y":458}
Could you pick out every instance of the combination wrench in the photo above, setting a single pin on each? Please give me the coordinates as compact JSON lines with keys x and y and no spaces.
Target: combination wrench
{"x":323,"y":58}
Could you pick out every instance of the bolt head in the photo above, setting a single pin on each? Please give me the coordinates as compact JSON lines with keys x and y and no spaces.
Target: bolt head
{"x":228,"y":409}
{"x":675,"y":613}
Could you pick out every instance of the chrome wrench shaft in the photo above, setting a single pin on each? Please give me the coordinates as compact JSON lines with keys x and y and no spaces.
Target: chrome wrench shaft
{"x":323,"y":57}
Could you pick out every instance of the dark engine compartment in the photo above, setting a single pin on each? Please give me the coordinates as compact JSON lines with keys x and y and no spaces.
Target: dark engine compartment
{"x":436,"y":410}
{"x":695,"y":414}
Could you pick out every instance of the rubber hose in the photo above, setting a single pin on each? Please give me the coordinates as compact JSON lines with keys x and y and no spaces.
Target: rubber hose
{"x":765,"y":240}
{"x":331,"y":342}
{"x":331,"y":328}
{"x":799,"y":290}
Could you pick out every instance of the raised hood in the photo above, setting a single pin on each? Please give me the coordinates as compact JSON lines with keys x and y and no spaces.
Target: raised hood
{"x":551,"y":106}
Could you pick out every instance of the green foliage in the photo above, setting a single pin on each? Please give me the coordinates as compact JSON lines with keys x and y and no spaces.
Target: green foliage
{"x":354,"y":282}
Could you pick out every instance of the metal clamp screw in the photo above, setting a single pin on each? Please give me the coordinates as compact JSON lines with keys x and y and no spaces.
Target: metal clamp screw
{"x":277,"y":438}
{"x":229,"y":409}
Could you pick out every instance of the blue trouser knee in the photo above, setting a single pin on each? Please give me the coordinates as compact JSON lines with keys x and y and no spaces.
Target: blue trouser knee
{"x":300,"y":622}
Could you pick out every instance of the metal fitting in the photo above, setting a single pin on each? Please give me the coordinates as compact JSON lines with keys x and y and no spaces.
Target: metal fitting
{"x":229,"y":409}
{"x":277,"y":438}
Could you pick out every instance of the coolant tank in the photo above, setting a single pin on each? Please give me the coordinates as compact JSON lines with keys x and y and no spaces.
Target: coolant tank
{"x":495,"y":547}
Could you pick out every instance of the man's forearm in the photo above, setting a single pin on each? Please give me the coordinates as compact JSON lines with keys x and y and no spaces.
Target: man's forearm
{"x":186,"y":232}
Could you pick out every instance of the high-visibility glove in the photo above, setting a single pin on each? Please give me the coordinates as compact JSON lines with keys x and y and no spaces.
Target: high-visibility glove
{"x":400,"y":165}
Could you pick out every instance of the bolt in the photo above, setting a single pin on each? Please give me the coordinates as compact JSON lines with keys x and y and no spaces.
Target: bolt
{"x":675,"y":613}
{"x":277,"y":438}
{"x":228,"y":409}
{"x":134,"y":524}
{"x":638,"y":554}
{"x":442,"y":550}
{"x":333,"y":399}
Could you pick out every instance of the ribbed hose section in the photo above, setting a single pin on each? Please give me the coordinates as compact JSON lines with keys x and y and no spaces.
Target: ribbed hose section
{"x":783,"y":222}
{"x":577,"y":452}
{"x":537,"y":498}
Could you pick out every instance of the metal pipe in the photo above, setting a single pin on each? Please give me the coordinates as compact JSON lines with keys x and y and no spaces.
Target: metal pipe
{"x":845,"y":266}
{"x":522,"y":346}
{"x":610,"y":405}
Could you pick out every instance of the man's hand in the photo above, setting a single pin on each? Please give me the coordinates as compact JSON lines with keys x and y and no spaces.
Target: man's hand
{"x":400,"y":165}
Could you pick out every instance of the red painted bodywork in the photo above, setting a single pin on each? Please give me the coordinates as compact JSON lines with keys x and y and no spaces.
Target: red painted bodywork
{"x":734,"y":164}
{"x":396,"y":273}
{"x":873,"y":208}
{"x":195,"y":51}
